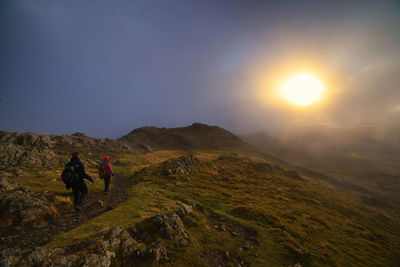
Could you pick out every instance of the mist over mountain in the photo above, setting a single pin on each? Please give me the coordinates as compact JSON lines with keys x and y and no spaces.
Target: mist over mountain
{"x":321,"y":139}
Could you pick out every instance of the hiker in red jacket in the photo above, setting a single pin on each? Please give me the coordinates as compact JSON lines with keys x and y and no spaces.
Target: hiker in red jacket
{"x":105,"y":172}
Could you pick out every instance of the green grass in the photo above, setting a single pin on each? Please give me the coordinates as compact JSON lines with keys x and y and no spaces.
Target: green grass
{"x":288,"y":214}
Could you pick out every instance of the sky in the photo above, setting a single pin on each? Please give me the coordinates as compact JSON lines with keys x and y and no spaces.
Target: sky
{"x":107,"y":67}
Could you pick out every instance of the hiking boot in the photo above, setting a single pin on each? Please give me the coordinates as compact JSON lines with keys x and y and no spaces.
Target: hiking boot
{"x":107,"y":193}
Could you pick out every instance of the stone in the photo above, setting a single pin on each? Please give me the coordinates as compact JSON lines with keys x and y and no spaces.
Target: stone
{"x":183,"y":165}
{"x":99,"y":260}
{"x":41,"y":256}
{"x":21,"y":207}
{"x":293,"y":174}
{"x":32,"y":150}
{"x":100,"y":203}
{"x":10,"y":185}
{"x":158,"y":251}
{"x":185,"y":209}
{"x":171,"y":227}
{"x":131,"y":248}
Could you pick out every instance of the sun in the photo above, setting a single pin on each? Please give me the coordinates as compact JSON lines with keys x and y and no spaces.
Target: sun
{"x":302,"y":89}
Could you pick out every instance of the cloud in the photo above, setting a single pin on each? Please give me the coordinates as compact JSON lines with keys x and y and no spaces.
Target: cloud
{"x":172,"y":63}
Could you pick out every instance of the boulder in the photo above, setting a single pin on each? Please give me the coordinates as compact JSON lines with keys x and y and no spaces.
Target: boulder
{"x":10,"y":185}
{"x":185,"y":209}
{"x":170,"y":227}
{"x":99,"y":260}
{"x":41,"y":256}
{"x":20,"y":206}
{"x":182,"y":165}
{"x":158,"y":251}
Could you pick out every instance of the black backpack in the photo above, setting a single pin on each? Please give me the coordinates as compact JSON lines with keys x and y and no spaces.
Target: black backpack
{"x":69,"y":174}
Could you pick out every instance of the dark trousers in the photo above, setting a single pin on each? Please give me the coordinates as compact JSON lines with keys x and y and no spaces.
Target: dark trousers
{"x":106,"y":182}
{"x":80,"y":191}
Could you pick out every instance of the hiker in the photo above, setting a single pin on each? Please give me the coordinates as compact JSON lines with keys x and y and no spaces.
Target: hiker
{"x":105,"y":172}
{"x":77,"y":184}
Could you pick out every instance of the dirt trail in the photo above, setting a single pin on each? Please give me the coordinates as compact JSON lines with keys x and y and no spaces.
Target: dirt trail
{"x":30,"y":237}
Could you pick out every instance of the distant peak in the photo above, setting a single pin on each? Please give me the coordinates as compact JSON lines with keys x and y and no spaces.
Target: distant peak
{"x":198,"y":124}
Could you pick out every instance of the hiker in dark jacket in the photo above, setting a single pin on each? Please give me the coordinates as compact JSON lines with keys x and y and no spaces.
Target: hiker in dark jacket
{"x":105,"y":172}
{"x":78,"y":185}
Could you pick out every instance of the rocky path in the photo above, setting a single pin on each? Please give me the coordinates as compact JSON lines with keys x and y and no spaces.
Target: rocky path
{"x":94,"y":205}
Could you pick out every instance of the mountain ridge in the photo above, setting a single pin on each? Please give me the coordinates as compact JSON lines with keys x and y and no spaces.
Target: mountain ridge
{"x":195,"y":136}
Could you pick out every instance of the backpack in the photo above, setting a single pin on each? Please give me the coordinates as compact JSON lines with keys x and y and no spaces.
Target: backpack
{"x":69,"y":175}
{"x":103,"y":170}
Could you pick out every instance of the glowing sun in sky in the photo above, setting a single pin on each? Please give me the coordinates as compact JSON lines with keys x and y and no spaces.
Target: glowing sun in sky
{"x":302,"y":89}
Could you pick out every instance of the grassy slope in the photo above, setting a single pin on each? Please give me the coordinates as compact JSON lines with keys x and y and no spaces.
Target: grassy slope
{"x":287,"y":214}
{"x":375,"y":174}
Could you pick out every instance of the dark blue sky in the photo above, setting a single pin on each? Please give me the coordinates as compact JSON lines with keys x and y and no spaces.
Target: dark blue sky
{"x":107,"y":67}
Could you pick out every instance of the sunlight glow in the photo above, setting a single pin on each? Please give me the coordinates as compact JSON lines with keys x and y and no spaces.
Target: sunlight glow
{"x":302,"y":89}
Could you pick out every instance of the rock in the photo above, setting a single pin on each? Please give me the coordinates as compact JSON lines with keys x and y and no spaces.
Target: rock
{"x":100,"y":203}
{"x":265,"y":167}
{"x":10,"y":185}
{"x":158,"y":251}
{"x":78,"y":134}
{"x":12,"y":171}
{"x":146,"y":147}
{"x":99,"y":260}
{"x":185,"y":209}
{"x":32,"y":150}
{"x":41,"y":256}
{"x":20,"y":206}
{"x":114,"y":243}
{"x":182,"y":165}
{"x":115,"y":231}
{"x":100,"y":252}
{"x":131,"y":248}
{"x":293,"y":174}
{"x":171,"y":227}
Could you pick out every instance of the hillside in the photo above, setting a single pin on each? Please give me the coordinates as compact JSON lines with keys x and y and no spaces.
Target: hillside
{"x":196,"y":136}
{"x":174,"y":207}
{"x":352,"y":159}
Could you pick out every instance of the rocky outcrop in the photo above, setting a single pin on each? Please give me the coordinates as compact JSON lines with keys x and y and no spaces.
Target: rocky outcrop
{"x":101,"y":251}
{"x":41,"y":256}
{"x":185,"y":209}
{"x":182,"y":165}
{"x":20,"y":207}
{"x":17,"y":155}
{"x":12,"y":171}
{"x":170,"y":227}
{"x":158,"y":251}
{"x":117,"y":246}
{"x":40,"y":141}
{"x":34,"y":150}
{"x":26,"y":139}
